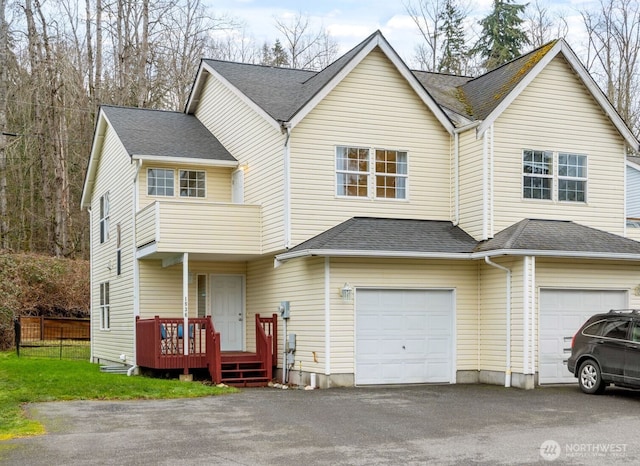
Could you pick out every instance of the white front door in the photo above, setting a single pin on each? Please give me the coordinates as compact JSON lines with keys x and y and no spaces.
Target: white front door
{"x":562,"y":312}
{"x":227,"y":310}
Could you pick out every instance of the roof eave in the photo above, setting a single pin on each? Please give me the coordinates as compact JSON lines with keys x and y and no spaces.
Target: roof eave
{"x":199,"y":83}
{"x":287,"y":256}
{"x":376,"y":41}
{"x":189,"y":160}
{"x":562,"y":47}
{"x":96,"y":148}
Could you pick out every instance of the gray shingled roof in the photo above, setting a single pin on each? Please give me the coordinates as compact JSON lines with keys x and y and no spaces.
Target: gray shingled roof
{"x":165,"y":134}
{"x":483,"y":94}
{"x":558,"y":235}
{"x":414,"y":237}
{"x":281,"y":92}
{"x":445,"y":89}
{"x":386,"y":234}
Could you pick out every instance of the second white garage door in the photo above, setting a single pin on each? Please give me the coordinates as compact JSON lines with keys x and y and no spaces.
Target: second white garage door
{"x":562,"y":312}
{"x":404,"y":336}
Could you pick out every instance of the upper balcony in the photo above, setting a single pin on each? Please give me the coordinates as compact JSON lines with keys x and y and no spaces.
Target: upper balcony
{"x":170,"y":226}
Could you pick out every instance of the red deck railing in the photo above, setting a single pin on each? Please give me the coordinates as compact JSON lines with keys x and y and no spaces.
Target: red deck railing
{"x":160,"y":344}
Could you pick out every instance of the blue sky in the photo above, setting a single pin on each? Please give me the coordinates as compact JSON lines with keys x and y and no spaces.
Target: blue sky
{"x":350,"y":21}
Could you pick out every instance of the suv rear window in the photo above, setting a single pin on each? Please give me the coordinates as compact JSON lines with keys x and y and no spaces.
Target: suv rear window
{"x":616,"y":329}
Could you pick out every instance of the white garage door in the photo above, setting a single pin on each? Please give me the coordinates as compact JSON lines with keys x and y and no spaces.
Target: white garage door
{"x":404,"y":336}
{"x":562,"y":312}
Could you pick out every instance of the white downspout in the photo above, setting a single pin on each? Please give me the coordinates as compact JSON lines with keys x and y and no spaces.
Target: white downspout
{"x":287,"y":187}
{"x":90,"y":282}
{"x":525,"y":324}
{"x":456,"y":179}
{"x":507,"y":374}
{"x":485,"y":187}
{"x":491,"y":183}
{"x":534,"y":340}
{"x":456,"y":168}
{"x":327,"y":316}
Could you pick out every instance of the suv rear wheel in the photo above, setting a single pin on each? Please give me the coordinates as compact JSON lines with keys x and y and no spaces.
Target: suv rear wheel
{"x":589,"y":378}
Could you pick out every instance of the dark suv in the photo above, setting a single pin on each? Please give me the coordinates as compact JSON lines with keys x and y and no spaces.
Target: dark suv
{"x":606,"y":350}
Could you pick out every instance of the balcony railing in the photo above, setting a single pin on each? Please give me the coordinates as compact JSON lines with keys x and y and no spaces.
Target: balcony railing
{"x":203,"y":227}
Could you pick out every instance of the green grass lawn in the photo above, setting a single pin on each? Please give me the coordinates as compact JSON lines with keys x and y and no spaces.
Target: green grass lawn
{"x":28,"y":380}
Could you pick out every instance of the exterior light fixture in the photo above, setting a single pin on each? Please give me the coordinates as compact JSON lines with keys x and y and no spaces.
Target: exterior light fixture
{"x":346,"y":292}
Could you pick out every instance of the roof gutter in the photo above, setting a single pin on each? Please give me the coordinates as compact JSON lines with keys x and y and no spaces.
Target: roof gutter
{"x":287,"y":256}
{"x":189,"y":160}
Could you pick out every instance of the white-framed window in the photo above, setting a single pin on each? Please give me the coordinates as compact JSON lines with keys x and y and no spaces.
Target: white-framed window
{"x":554,"y":176}
{"x":104,"y":217}
{"x":160,"y":182}
{"x":192,"y":183}
{"x":572,"y":177}
{"x":371,"y":172}
{"x":118,"y":250}
{"x":105,"y":311}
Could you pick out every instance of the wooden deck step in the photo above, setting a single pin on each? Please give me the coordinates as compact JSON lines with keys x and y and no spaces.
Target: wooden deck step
{"x":242,"y":369}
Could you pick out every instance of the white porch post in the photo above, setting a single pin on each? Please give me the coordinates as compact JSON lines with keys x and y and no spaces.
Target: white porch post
{"x":185,"y":302}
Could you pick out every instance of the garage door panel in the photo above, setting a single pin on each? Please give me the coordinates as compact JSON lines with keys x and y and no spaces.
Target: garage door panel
{"x":404,"y":336}
{"x":562,"y":312}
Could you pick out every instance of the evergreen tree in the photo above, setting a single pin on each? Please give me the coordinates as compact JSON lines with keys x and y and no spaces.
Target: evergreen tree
{"x":279,"y":54}
{"x":502,"y":36}
{"x":274,"y":55}
{"x":454,"y":49}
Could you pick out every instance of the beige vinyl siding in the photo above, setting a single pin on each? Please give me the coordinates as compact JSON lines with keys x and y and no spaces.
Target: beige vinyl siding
{"x":252,"y":141}
{"x":556,"y":112}
{"x":213,"y":228}
{"x":460,"y":276}
{"x":114,"y":175}
{"x":218,"y":184}
{"x":633,"y":233}
{"x":301,"y":282}
{"x":161,"y":287}
{"x":471,"y":183}
{"x":372,"y":107}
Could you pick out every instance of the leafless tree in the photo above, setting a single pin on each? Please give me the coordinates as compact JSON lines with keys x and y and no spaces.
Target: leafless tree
{"x":4,"y":87}
{"x":613,"y":52}
{"x":307,"y":49}
{"x":544,"y":26}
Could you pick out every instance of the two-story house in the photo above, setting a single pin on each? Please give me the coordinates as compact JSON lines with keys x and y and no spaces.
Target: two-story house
{"x":422,"y":227}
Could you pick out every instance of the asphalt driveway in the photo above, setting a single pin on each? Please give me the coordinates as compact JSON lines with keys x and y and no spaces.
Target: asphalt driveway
{"x":445,"y":424}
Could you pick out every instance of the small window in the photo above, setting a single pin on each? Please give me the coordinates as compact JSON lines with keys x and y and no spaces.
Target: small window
{"x":160,"y":182}
{"x":391,"y":174}
{"x":616,"y":329}
{"x":105,"y":312}
{"x":373,"y":173}
{"x":104,"y":218}
{"x":192,"y":183}
{"x":118,"y":249}
{"x":537,"y":168}
{"x":572,"y":177}
{"x":202,"y":295}
{"x":352,"y":171}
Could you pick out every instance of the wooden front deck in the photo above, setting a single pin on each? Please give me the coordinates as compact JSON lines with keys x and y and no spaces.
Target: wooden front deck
{"x":160,"y":344}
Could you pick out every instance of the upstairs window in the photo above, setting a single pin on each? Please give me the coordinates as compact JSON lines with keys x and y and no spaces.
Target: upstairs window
{"x":192,"y":183}
{"x":572,"y":177}
{"x":104,"y":218}
{"x":371,"y":173}
{"x":105,"y":307}
{"x":160,"y":182}
{"x":537,"y":168}
{"x":554,"y":176}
